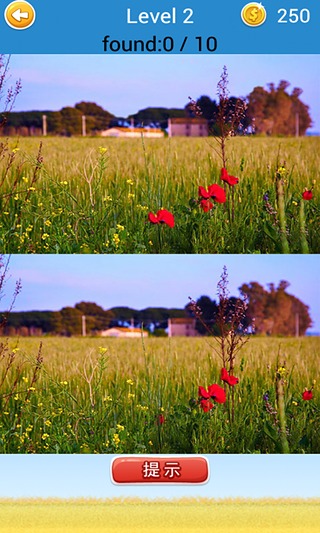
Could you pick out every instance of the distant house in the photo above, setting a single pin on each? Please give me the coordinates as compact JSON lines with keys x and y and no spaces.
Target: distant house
{"x":182,"y":327}
{"x":188,"y":127}
{"x":124,"y":332}
{"x":119,"y":131}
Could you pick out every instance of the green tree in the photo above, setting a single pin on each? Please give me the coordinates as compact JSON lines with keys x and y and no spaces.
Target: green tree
{"x":97,"y":118}
{"x":71,"y":321}
{"x":157,"y":115}
{"x":96,"y":317}
{"x":71,"y":121}
{"x":209,"y":309}
{"x":54,"y":122}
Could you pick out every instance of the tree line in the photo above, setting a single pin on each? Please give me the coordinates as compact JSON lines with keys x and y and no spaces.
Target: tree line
{"x":269,"y":111}
{"x":271,"y":311}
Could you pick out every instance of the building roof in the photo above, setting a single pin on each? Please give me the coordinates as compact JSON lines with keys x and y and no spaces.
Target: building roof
{"x":182,"y":320}
{"x":128,"y":330}
{"x":188,"y":120}
{"x":136,"y":130}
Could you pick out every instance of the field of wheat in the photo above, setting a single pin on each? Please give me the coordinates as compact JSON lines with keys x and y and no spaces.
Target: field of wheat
{"x":94,"y":195}
{"x":91,"y":395}
{"x":139,"y":516}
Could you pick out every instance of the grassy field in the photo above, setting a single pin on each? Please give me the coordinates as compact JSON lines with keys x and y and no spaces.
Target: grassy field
{"x":93,"y":195}
{"x":98,"y":395}
{"x":196,"y":516}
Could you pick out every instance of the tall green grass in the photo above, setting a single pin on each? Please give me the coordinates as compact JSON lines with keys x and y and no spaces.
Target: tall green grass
{"x":93,"y":196}
{"x":107,"y":395}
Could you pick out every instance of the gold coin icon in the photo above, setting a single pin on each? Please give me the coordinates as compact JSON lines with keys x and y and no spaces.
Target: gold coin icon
{"x":253,"y":14}
{"x":20,"y":15}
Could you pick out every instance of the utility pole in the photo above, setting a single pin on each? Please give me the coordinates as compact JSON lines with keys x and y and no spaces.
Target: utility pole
{"x":84,"y":133}
{"x":44,"y":125}
{"x":84,"y":333}
{"x":297,"y":325}
{"x":297,"y":125}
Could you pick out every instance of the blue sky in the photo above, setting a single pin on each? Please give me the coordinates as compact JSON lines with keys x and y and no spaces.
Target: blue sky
{"x":50,"y":282}
{"x":124,"y":84}
{"x":72,"y":476}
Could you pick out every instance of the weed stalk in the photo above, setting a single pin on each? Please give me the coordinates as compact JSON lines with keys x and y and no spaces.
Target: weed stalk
{"x":280,"y":380}
{"x":282,"y":211}
{"x":303,"y":229}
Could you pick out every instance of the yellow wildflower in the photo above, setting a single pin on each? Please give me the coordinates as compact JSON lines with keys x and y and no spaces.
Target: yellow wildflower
{"x":116,"y":439}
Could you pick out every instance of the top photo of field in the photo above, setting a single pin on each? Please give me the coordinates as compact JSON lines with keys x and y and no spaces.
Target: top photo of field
{"x":159,"y":155}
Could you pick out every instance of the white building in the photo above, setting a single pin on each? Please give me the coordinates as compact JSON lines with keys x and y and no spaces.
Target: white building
{"x":153,"y":133}
{"x":182,"y":327}
{"x":188,"y":127}
{"x":124,"y":332}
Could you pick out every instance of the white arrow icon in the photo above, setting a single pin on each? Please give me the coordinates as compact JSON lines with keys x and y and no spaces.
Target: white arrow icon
{"x":18,"y":15}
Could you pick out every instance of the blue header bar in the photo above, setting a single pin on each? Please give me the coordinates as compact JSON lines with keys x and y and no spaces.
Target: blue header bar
{"x":160,"y":27}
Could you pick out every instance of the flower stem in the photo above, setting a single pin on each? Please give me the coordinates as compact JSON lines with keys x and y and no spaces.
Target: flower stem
{"x":282,"y":217}
{"x":303,"y":231}
{"x":282,"y":416}
{"x":160,"y":237}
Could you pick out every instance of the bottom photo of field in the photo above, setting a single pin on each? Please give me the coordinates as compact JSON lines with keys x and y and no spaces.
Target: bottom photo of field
{"x":246,"y":494}
{"x":159,"y":354}
{"x":62,"y":516}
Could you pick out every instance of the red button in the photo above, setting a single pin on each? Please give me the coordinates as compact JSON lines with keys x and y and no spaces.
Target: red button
{"x":137,"y":469}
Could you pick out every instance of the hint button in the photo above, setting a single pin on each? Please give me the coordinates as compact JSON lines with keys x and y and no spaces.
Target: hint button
{"x":137,"y":469}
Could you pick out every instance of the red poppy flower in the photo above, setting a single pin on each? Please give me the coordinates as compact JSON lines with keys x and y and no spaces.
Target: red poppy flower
{"x":307,"y":195}
{"x":206,"y":405}
{"x":307,"y":395}
{"x":162,"y":217}
{"x":214,"y":392}
{"x":231,"y":380}
{"x":231,"y":180}
{"x":206,"y":205}
{"x":215,"y":192}
{"x":161,"y":420}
